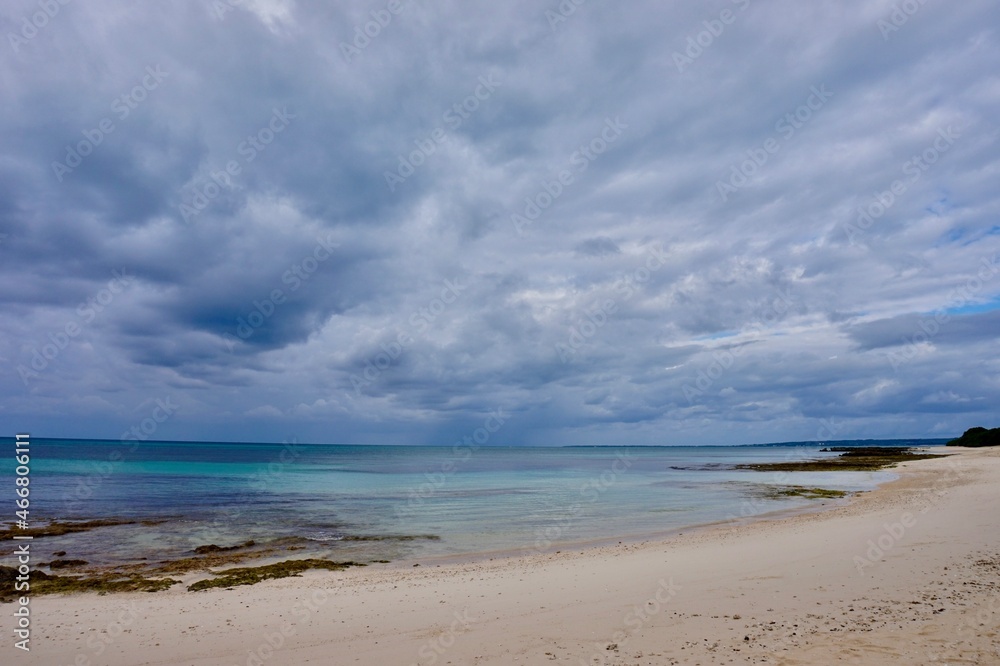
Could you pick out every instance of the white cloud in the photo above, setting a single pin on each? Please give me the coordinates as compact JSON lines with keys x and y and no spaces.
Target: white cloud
{"x":815,"y":324}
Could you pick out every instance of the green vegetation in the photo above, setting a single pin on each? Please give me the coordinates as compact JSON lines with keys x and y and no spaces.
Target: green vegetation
{"x":851,"y":459}
{"x":120,"y":581}
{"x":140,"y":575}
{"x":185,"y":564}
{"x":43,"y":583}
{"x":808,"y":493}
{"x":768,"y":491}
{"x":978,"y":437}
{"x":251,"y":575}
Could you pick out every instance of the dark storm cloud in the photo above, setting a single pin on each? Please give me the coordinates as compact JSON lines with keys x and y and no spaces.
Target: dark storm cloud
{"x":938,"y":328}
{"x":645,"y":223}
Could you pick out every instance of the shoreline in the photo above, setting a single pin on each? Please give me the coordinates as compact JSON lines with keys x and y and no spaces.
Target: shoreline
{"x":770,"y":590}
{"x":585,"y":546}
{"x":253,"y":548}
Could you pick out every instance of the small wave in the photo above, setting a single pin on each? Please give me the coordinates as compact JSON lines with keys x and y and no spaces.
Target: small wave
{"x":707,"y":467}
{"x":393,"y":537}
{"x":327,"y":537}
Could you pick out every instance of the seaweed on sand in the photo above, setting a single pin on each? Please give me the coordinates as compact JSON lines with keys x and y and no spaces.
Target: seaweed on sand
{"x":251,"y":575}
{"x":102,"y":583}
{"x":780,"y":492}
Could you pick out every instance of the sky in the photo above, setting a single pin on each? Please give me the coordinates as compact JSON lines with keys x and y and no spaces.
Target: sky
{"x":528,"y":223}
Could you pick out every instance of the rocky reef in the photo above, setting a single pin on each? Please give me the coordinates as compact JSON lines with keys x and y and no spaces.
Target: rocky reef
{"x":851,"y":459}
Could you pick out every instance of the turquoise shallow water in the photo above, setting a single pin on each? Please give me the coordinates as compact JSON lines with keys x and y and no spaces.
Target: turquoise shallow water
{"x":382,"y":502}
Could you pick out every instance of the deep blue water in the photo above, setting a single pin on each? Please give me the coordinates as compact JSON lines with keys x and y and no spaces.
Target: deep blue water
{"x":386,"y":501}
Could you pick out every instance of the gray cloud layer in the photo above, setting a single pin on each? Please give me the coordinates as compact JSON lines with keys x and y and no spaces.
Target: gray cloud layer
{"x":729,"y":222}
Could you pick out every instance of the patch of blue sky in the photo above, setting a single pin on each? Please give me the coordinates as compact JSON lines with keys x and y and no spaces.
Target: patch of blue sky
{"x":965,"y":236}
{"x":940,"y":207}
{"x":975,"y":308}
{"x":719,"y":335}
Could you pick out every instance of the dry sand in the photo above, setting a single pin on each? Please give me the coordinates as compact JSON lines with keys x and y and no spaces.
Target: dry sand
{"x":789,"y":591}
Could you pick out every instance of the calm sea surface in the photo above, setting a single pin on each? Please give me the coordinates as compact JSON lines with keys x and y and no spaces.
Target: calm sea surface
{"x":392,"y":502}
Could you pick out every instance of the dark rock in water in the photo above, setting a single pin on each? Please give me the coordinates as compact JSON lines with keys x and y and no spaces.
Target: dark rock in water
{"x":851,"y":458}
{"x":707,"y":467}
{"x":870,"y":450}
{"x":56,"y":528}
{"x":978,"y":437}
{"x":212,"y":548}
{"x":61,"y":564}
{"x":59,"y":553}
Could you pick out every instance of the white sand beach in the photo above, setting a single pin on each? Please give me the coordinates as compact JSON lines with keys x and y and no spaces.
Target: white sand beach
{"x":906,"y":574}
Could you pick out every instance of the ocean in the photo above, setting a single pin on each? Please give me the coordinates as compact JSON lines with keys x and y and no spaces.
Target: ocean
{"x":367,"y":503}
